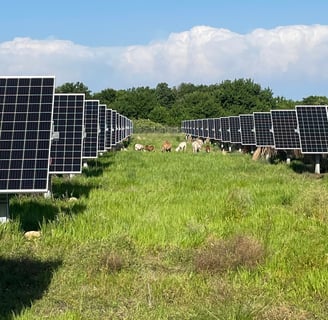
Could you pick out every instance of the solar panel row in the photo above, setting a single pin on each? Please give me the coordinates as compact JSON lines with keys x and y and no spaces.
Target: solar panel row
{"x":304,"y":128}
{"x":43,"y":133}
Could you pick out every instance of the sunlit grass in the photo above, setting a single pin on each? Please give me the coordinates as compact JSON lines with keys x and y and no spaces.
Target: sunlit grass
{"x":155,"y":235}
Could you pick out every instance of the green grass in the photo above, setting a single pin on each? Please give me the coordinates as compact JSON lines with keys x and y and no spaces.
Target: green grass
{"x":170,"y":236}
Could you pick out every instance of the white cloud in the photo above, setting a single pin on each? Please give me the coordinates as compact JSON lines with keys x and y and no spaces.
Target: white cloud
{"x":290,"y":60}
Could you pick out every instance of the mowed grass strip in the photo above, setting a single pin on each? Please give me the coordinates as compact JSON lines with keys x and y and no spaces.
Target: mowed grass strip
{"x":155,"y":235}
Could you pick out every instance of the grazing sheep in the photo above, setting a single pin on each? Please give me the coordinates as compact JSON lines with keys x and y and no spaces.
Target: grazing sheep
{"x":196,"y":146}
{"x":182,"y":146}
{"x":139,"y":147}
{"x":208,"y":148}
{"x":149,"y":147}
{"x":166,"y":146}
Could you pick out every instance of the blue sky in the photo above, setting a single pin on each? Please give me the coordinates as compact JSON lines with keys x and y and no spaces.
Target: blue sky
{"x":121,"y":44}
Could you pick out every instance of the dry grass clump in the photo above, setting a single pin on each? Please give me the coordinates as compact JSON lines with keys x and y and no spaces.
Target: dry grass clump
{"x":230,"y":254}
{"x":284,"y":312}
{"x":111,"y":262}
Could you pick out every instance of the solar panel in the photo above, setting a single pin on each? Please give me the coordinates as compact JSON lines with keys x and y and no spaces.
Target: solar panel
{"x":234,"y":126}
{"x":206,"y":132}
{"x":225,"y":129}
{"x":247,"y":132}
{"x":91,"y":124}
{"x":102,"y":128}
{"x":313,"y":128}
{"x":199,"y":128}
{"x":113,"y":129}
{"x":193,"y":127}
{"x":211,"y":128}
{"x":263,"y":129}
{"x":108,"y":128}
{"x":217,"y":125}
{"x":68,"y":119}
{"x":285,"y":133}
{"x":26,"y":111}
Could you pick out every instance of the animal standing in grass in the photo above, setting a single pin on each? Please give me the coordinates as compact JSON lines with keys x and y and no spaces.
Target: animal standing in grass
{"x":149,"y":147}
{"x":197,"y":145}
{"x":139,"y":147}
{"x":166,"y":146}
{"x":182,"y":146}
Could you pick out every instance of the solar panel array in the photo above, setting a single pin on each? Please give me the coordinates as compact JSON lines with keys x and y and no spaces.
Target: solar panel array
{"x":43,"y":133}
{"x":304,"y":128}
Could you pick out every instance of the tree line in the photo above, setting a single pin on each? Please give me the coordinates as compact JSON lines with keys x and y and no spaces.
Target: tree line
{"x":169,"y":106}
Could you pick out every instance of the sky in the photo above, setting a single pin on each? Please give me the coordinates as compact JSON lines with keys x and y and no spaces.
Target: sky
{"x":280,"y":44}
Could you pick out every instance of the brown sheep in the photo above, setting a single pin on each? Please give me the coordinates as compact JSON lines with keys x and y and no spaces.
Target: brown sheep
{"x":166,"y":146}
{"x":149,"y":147}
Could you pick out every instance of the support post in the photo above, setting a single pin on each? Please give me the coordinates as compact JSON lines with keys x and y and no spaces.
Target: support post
{"x":4,"y":208}
{"x":317,"y":164}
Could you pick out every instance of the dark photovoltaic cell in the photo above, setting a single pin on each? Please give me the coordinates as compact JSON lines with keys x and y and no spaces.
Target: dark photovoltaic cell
{"x":108,"y":128}
{"x":263,"y":129}
{"x":91,"y":124}
{"x":285,"y":133}
{"x":26,"y":111}
{"x":217,"y":125}
{"x":234,"y":126}
{"x":225,"y":129}
{"x":247,"y":133}
{"x":102,"y":128}
{"x":313,"y":128}
{"x":68,"y":121}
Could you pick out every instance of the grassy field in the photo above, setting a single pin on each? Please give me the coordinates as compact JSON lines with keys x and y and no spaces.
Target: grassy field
{"x":157,"y":235}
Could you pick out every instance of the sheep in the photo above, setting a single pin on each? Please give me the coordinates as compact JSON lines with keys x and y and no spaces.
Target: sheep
{"x":182,"y":146}
{"x":166,"y":146}
{"x":139,"y":147}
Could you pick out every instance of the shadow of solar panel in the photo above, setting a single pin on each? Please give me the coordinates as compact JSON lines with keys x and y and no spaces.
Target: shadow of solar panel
{"x":247,"y":133}
{"x":313,"y":128}
{"x":102,"y":128}
{"x":225,"y":129}
{"x":263,"y":129}
{"x":234,"y":126}
{"x":68,"y":120}
{"x":91,"y":125}
{"x":26,"y":109}
{"x":285,"y":132}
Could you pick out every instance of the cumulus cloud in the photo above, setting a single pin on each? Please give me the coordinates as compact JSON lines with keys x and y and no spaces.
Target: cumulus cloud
{"x":291,"y":60}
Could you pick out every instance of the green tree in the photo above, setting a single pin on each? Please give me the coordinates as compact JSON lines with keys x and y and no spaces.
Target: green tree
{"x":106,"y":96}
{"x":77,"y":87}
{"x":315,"y":100}
{"x":165,"y":96}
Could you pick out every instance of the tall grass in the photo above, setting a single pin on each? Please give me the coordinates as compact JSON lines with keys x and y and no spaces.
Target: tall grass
{"x":157,"y":235}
